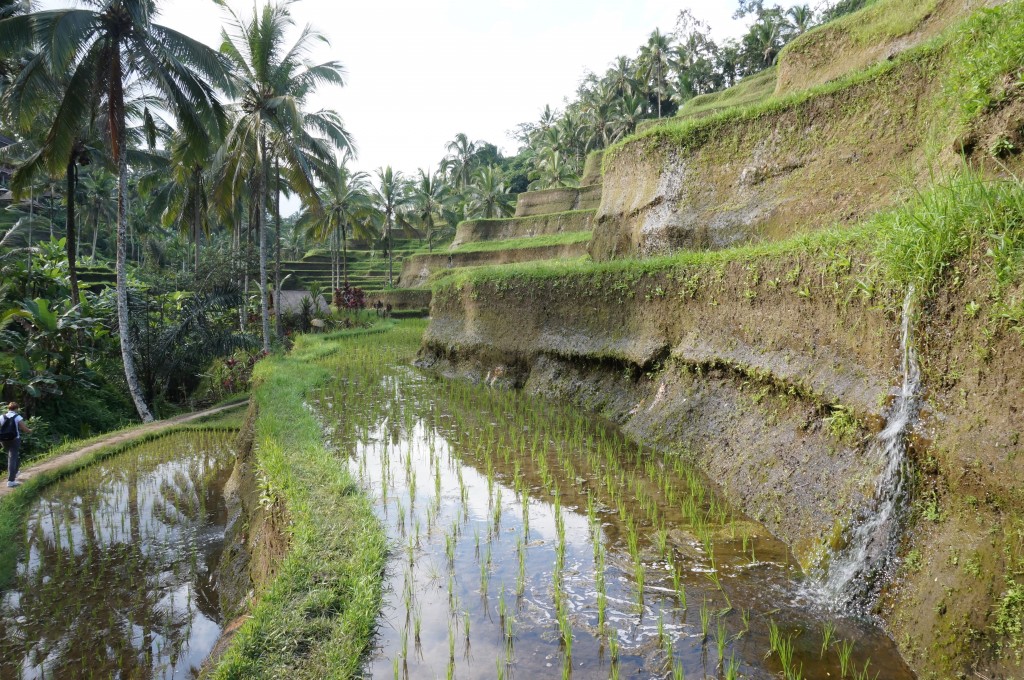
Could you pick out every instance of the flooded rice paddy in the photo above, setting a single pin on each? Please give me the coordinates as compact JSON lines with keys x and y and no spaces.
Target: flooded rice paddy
{"x":118,"y":575}
{"x":531,"y":541}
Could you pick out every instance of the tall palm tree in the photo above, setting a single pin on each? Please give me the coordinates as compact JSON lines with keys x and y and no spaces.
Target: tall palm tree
{"x":656,"y":59}
{"x":99,"y":52}
{"x":429,"y":200}
{"x":460,"y":159}
{"x":272,"y":82}
{"x":390,"y":199}
{"x":345,"y":204}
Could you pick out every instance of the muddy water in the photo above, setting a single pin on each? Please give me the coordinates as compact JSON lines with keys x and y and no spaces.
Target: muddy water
{"x":117,"y":579}
{"x":531,"y":541}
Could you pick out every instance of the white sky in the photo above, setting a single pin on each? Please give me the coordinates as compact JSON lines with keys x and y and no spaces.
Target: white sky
{"x":420,"y":72}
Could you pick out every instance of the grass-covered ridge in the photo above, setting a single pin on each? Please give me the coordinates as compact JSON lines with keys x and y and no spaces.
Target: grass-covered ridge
{"x":547,"y":240}
{"x":316,"y":619}
{"x":915,"y":244}
{"x":967,"y":60}
{"x":751,"y":90}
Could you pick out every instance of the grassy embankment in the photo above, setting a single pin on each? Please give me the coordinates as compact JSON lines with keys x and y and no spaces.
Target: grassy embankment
{"x":14,"y":507}
{"x":912,"y":245}
{"x":316,"y":618}
{"x":563,"y":239}
{"x":977,"y":54}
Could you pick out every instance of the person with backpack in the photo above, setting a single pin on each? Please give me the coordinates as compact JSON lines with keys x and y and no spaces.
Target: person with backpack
{"x":11,"y":428}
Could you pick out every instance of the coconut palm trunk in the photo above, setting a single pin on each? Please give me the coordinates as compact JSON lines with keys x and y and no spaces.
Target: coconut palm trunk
{"x":71,"y":242}
{"x":117,"y":120}
{"x":278,"y":323}
{"x":262,"y":236}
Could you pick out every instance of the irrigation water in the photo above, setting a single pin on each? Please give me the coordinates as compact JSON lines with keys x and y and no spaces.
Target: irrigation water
{"x":117,"y":577}
{"x":530,"y":540}
{"x":857,"y":572}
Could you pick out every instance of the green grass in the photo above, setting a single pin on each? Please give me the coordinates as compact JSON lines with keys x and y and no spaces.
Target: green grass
{"x":752,"y":90}
{"x":563,"y":239}
{"x":316,"y":619}
{"x":917,"y":244}
{"x":14,"y":507}
{"x":529,"y":218}
{"x":973,"y":55}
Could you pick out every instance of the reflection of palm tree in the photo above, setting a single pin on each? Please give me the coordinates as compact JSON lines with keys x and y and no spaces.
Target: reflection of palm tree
{"x":118,"y":604}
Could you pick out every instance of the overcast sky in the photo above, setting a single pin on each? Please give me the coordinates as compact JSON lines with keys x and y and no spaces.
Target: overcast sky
{"x":421,"y":71}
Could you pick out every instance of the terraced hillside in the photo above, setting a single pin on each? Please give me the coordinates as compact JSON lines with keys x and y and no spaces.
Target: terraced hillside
{"x":745,"y":308}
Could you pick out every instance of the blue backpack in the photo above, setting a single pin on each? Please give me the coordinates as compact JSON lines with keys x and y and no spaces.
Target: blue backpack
{"x":8,"y":428}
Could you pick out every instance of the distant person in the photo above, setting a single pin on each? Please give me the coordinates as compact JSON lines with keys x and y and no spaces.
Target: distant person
{"x":11,"y":428}
{"x":387,"y":311}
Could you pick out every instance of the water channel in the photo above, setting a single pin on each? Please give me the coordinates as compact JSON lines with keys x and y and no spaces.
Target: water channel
{"x":530,"y":540}
{"x":117,"y":579}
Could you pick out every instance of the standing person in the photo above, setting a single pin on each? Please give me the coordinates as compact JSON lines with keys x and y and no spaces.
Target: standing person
{"x":11,"y":428}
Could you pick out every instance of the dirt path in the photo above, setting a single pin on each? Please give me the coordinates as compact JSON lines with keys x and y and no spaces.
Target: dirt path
{"x":155,"y":426}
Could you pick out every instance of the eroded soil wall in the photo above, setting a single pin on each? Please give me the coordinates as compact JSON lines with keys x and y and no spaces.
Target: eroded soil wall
{"x":770,"y":375}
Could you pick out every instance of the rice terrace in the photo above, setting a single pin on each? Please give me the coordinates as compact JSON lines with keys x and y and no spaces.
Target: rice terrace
{"x":713,"y":368}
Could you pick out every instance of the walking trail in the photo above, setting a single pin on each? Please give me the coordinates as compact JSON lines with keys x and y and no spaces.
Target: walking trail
{"x":155,"y":426}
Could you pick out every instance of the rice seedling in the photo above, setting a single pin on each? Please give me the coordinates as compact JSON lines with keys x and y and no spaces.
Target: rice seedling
{"x":845,"y":652}
{"x":721,"y":641}
{"x":827,"y":633}
{"x":705,"y":619}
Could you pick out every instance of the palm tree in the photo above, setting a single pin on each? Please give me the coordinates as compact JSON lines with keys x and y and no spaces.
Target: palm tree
{"x":100,"y":52}
{"x":345,"y":203}
{"x":272,"y":84}
{"x":390,"y":200}
{"x":489,"y":195}
{"x":429,"y":201}
{"x":656,"y":59}
{"x":552,"y":171}
{"x":801,"y":18}
{"x":460,"y":159}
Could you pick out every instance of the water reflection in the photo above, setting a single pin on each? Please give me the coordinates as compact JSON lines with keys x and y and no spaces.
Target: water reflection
{"x":533,"y":541}
{"x":118,"y":579}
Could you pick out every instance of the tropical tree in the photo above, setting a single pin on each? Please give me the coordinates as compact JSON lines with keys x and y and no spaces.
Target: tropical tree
{"x":390,"y":199}
{"x":459,"y":160}
{"x":344,"y":208}
{"x":431,"y":204}
{"x":656,"y":61}
{"x":489,"y":196}
{"x":100,"y":51}
{"x":272,"y":81}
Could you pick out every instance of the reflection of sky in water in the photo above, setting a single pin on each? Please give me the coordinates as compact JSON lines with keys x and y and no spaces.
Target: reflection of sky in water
{"x":768,"y":584}
{"x":118,"y":575}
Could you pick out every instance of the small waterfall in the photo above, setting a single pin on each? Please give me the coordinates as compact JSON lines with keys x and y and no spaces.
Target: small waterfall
{"x":857,"y":572}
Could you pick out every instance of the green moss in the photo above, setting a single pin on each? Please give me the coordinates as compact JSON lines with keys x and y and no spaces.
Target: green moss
{"x":548,"y":240}
{"x":752,"y":90}
{"x":974,"y":55}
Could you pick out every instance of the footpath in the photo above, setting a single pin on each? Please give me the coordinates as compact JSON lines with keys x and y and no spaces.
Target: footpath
{"x":29,"y":472}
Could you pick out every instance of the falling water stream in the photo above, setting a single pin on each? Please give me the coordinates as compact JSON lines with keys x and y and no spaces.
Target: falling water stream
{"x":856,"y":573}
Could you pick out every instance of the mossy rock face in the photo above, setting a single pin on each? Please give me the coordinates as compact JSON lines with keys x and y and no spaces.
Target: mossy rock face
{"x":473,"y":231}
{"x":831,"y":155}
{"x":549,"y":201}
{"x":592,"y":169}
{"x":878,"y":32}
{"x":416,"y":270}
